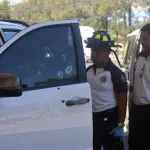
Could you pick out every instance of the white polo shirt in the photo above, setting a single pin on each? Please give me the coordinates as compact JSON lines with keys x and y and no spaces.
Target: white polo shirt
{"x":105,"y":83}
{"x":142,"y":80}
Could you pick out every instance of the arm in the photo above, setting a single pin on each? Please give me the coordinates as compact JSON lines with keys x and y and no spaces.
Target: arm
{"x":120,"y":88}
{"x":122,"y":105}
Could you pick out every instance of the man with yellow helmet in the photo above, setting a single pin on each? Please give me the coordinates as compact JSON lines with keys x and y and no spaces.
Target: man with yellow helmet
{"x":109,"y":94}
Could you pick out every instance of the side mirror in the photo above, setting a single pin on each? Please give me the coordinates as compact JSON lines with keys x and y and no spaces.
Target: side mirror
{"x":10,"y":85}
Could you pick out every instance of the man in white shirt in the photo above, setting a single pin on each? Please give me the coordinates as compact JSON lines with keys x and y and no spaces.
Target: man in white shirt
{"x":139,"y":129}
{"x":109,"y":94}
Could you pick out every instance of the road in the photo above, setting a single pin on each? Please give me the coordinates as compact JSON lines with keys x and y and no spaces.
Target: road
{"x":126,"y":122}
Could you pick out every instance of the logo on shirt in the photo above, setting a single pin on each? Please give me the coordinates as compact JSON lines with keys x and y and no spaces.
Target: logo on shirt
{"x":103,"y":79}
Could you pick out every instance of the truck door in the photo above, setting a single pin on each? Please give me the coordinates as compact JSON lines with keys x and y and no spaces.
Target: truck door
{"x":55,"y":110}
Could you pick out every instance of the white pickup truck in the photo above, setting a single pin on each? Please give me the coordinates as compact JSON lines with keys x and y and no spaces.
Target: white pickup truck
{"x":54,"y":111}
{"x":9,"y":28}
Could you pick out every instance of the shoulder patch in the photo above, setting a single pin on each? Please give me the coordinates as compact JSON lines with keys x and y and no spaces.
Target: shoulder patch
{"x":88,"y":68}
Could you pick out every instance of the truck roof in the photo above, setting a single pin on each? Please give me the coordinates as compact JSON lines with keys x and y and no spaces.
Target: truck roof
{"x":86,"y":28}
{"x":8,"y":25}
{"x":134,"y":33}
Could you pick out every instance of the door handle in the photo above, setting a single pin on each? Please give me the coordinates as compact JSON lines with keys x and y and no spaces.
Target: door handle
{"x":77,"y":101}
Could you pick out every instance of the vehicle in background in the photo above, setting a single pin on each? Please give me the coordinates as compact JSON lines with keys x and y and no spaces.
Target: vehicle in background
{"x":86,"y":32}
{"x":9,"y":28}
{"x":55,"y":109}
{"x":132,"y":48}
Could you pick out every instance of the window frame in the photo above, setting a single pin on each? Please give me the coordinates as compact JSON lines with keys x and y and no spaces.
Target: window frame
{"x":2,"y":36}
{"x":127,"y":51}
{"x":80,"y":62}
{"x":131,"y":44}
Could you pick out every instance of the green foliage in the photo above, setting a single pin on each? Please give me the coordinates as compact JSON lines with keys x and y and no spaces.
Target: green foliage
{"x":4,"y":10}
{"x":94,"y":13}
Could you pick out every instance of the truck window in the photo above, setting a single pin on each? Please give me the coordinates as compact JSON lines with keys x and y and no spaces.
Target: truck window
{"x":129,"y":50}
{"x":126,"y":50}
{"x":9,"y":33}
{"x":42,"y":57}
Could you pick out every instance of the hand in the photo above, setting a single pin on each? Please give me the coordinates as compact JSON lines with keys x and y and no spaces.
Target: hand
{"x":118,"y":132}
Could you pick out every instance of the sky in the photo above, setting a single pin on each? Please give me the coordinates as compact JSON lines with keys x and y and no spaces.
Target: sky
{"x":14,"y":1}
{"x":139,"y":13}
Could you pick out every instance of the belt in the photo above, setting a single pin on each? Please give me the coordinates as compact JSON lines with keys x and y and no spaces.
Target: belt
{"x":112,"y":110}
{"x":142,"y":107}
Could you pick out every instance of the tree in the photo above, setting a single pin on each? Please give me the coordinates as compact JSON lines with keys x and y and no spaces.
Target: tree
{"x":4,"y":10}
{"x":116,"y":15}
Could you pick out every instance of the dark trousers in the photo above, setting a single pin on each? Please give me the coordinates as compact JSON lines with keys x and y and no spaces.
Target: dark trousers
{"x":103,"y":123}
{"x":139,"y":128}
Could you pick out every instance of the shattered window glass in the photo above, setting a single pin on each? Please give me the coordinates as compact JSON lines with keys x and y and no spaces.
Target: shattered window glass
{"x":43,"y":57}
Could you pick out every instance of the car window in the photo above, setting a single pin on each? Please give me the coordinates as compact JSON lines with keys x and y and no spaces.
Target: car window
{"x":10,"y":33}
{"x":129,"y":50}
{"x":43,"y":57}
